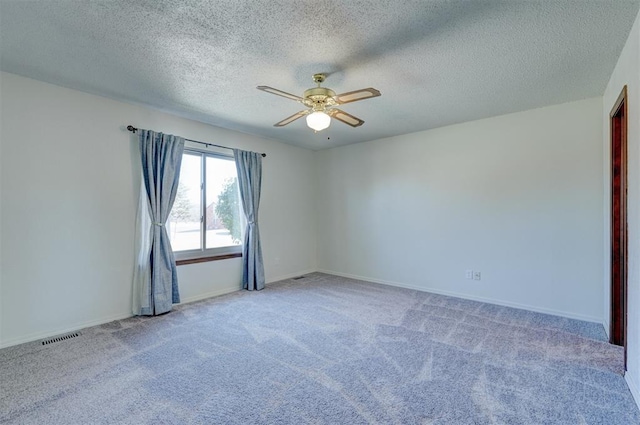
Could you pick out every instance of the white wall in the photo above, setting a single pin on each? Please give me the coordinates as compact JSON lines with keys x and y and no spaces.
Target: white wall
{"x":1,"y":143}
{"x":517,"y":197}
{"x":627,"y":72}
{"x":69,"y":182}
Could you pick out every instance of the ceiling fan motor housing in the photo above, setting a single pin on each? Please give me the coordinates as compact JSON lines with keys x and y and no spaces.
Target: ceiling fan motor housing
{"x":319,"y":98}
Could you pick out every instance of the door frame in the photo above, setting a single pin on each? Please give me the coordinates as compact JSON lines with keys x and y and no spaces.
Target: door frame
{"x":619,"y":237}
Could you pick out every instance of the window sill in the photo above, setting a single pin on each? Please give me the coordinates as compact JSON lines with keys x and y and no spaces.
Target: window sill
{"x":207,"y":259}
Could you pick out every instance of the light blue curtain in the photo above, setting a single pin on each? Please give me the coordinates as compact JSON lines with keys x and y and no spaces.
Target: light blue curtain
{"x":157,"y":285}
{"x":249,"y":167}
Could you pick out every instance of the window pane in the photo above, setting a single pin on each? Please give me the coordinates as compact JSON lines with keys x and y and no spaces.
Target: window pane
{"x":223,"y":224}
{"x":183,"y":226}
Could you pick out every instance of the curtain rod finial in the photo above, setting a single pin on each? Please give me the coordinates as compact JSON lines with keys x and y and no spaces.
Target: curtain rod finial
{"x":131,"y":128}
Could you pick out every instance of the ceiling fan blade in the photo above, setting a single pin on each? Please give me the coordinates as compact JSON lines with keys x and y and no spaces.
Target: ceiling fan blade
{"x":349,"y":119}
{"x":354,"y":96}
{"x":280,"y":93}
{"x":292,"y":118}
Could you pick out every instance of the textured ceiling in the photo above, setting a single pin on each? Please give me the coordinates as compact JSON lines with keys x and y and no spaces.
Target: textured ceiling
{"x":435,"y":62}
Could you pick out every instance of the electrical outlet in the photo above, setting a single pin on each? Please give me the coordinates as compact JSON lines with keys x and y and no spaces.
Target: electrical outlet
{"x":469,"y":274}
{"x":476,"y":276}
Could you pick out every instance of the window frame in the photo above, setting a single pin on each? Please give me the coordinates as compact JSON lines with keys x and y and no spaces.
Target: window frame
{"x":208,"y":254}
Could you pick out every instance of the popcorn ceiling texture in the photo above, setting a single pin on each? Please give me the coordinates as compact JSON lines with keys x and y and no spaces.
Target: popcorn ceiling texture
{"x":435,"y":62}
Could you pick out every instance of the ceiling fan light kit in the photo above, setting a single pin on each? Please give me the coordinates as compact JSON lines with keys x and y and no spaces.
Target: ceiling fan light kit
{"x":321,"y":103}
{"x":318,"y":120}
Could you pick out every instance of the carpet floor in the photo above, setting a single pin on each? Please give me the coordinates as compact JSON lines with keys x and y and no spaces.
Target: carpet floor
{"x":323,"y":350}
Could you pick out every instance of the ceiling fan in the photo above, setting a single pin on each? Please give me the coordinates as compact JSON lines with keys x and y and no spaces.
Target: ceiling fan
{"x":322,"y":103}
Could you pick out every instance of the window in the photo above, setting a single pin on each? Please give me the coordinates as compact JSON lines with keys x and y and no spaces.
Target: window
{"x":206,"y":219}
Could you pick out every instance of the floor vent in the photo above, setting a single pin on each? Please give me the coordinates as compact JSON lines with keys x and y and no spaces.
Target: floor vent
{"x":60,"y":338}
{"x":299,"y":277}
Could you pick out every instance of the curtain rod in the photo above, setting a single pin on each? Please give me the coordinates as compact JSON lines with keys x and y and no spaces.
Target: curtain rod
{"x":134,"y":129}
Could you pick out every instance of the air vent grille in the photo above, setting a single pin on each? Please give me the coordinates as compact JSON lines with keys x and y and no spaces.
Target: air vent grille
{"x":299,"y":277}
{"x":60,"y":338}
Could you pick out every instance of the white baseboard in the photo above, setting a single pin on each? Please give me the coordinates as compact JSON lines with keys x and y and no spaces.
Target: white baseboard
{"x":216,"y":293}
{"x":468,"y":297}
{"x":227,"y":290}
{"x":290,"y":275}
{"x":607,"y":327}
{"x":633,"y":387}
{"x":41,"y":335}
{"x":230,"y":289}
{"x":47,"y":334}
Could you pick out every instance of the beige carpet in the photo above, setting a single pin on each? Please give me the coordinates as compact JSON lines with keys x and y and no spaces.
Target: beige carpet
{"x":323,"y":350}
